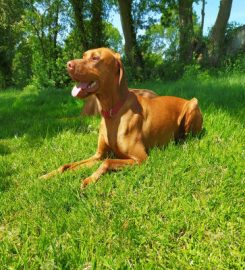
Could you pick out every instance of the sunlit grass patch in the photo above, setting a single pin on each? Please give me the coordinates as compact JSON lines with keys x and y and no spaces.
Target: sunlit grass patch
{"x":181,"y":209}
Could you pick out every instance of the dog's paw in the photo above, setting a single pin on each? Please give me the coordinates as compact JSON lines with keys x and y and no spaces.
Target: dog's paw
{"x":45,"y":176}
{"x":86,"y":182}
{"x":51,"y":174}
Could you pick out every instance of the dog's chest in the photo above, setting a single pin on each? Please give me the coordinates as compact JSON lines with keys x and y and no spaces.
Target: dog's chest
{"x":116,"y":139}
{"x":120,"y":137}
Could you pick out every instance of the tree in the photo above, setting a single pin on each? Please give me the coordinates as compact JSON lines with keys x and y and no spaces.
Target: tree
{"x":202,"y":18}
{"x":89,"y":17}
{"x":114,"y":38}
{"x":185,"y":31}
{"x":10,"y":32}
{"x":98,"y":35}
{"x":217,"y":36}
{"x":79,"y":9}
{"x":132,"y":49}
{"x":44,"y":23}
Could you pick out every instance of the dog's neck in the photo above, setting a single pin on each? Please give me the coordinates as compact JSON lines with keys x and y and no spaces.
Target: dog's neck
{"x":112,"y":99}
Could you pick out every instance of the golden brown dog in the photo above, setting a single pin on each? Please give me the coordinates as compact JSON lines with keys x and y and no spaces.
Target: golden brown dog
{"x":131,"y":124}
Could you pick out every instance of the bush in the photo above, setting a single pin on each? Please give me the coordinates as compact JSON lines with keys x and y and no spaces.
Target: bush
{"x":195,"y":71}
{"x":155,"y":68}
{"x":234,"y":64}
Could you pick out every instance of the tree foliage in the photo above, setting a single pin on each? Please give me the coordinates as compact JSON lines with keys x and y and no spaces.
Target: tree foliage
{"x":38,"y":37}
{"x":10,"y":32}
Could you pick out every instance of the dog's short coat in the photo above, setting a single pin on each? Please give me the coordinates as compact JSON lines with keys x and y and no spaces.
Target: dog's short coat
{"x":131,"y":124}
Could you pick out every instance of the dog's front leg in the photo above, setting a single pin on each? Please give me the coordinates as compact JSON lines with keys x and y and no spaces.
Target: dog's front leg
{"x":108,"y":165}
{"x":101,"y":151}
{"x":74,"y":166}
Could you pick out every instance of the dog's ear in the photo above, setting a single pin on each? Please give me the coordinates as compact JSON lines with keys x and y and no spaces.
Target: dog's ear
{"x":120,"y":67}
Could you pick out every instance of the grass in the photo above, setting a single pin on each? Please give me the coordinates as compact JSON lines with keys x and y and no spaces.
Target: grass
{"x":182,"y":209}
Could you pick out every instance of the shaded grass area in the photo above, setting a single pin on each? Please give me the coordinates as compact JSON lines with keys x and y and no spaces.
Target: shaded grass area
{"x":182,"y":209}
{"x":39,"y":113}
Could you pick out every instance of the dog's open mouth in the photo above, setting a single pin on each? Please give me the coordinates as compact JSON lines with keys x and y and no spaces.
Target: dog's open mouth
{"x":83,"y":89}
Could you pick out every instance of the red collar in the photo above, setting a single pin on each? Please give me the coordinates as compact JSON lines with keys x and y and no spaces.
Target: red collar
{"x":114,"y":110}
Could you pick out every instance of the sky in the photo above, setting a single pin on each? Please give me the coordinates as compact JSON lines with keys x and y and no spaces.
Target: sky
{"x":211,"y":11}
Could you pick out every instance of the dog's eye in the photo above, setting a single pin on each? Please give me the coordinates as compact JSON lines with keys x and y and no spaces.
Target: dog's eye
{"x":95,"y":58}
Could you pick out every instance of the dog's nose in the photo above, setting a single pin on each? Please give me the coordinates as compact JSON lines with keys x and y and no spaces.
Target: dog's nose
{"x":70,"y":66}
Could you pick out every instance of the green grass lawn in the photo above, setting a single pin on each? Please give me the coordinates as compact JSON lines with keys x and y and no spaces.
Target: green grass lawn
{"x":182,"y":209}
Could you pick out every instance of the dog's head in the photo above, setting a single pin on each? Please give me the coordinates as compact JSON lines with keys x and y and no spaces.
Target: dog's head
{"x":97,"y":70}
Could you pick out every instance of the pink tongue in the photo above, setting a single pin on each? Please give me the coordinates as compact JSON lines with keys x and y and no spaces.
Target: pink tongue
{"x":78,"y":88}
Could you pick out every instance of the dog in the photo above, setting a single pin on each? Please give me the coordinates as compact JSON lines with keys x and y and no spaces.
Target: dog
{"x":131,"y":124}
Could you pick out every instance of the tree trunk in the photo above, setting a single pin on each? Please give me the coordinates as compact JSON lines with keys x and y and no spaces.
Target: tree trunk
{"x":185,"y":31}
{"x":56,"y":29}
{"x":132,"y":50}
{"x":78,"y":9}
{"x":218,"y":32}
{"x":202,"y":18}
{"x":54,"y":37}
{"x":198,"y":43}
{"x":98,"y":36}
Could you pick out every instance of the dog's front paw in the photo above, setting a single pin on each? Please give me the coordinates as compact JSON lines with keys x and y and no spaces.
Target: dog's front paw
{"x":48,"y":175}
{"x":55,"y":172}
{"x":86,"y":182}
{"x":45,"y":176}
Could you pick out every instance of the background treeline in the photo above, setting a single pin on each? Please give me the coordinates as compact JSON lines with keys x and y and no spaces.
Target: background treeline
{"x":163,"y":38}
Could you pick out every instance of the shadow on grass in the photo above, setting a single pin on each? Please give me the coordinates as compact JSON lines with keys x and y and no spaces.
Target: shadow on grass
{"x":4,"y":150}
{"x":190,"y":136}
{"x":39,"y":114}
{"x":6,"y":171}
